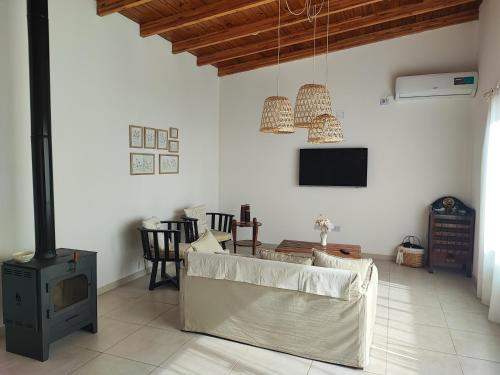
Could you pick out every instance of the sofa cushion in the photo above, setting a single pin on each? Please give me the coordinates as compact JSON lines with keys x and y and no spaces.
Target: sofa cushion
{"x":336,"y":283}
{"x":221,"y":236}
{"x":154,"y":223}
{"x":283,"y":257}
{"x":183,"y":249}
{"x":361,"y":267}
{"x":200,"y":213}
{"x":207,"y":244}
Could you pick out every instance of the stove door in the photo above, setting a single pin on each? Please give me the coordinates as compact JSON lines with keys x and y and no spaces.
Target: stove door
{"x":69,"y":297}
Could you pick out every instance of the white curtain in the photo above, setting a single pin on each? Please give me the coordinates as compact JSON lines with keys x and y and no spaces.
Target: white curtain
{"x":489,"y":223}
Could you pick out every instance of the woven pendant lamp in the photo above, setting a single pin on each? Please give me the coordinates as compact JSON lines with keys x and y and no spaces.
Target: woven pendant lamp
{"x":277,"y":114}
{"x":325,"y":129}
{"x":312,"y":100}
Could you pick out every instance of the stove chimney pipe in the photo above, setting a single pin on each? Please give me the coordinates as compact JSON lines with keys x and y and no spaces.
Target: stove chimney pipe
{"x":41,"y":133}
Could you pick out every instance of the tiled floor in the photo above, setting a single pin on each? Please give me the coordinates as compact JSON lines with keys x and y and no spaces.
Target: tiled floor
{"x":427,"y":324}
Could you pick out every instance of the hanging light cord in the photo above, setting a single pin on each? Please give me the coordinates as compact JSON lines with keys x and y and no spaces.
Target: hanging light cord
{"x":309,"y":10}
{"x":314,"y":48}
{"x":327,"y":33}
{"x":279,"y":45}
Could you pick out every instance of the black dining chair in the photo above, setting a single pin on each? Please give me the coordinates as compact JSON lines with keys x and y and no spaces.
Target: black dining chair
{"x":153,"y":252}
{"x":218,"y":223}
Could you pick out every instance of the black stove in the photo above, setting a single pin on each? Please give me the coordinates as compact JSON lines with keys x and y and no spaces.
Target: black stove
{"x":44,"y":300}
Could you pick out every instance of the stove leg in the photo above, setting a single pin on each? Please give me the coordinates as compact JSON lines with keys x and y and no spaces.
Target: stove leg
{"x":92,"y":327}
{"x":44,"y":351}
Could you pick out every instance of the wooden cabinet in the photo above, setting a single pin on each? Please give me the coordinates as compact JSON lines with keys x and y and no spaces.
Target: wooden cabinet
{"x":451,"y":234}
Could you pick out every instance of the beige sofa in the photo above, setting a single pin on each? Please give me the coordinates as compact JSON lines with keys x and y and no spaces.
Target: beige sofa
{"x":232,"y":297}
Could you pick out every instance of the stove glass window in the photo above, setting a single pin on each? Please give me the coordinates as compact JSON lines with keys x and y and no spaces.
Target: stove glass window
{"x":69,"y":291}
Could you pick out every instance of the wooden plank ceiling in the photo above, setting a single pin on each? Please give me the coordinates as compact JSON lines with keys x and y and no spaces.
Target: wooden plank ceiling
{"x":240,"y":35}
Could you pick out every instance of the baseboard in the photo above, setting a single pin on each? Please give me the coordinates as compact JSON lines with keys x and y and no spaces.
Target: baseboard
{"x":115,"y":284}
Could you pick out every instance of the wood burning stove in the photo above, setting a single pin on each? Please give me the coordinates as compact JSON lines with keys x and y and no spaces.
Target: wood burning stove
{"x":55,"y":293}
{"x":44,"y":300}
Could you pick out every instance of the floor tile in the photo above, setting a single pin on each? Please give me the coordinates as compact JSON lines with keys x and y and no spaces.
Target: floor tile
{"x":457,"y":300}
{"x":382,"y":310}
{"x":139,"y":313}
{"x":421,"y":336}
{"x":261,"y":361}
{"x":110,"y":365}
{"x":62,"y":360}
{"x":134,"y":289}
{"x":403,"y":360}
{"x":473,"y":322}
{"x":110,"y":332}
{"x":322,"y":368}
{"x":410,"y":314}
{"x":164,"y":294}
{"x":149,"y":345}
{"x":476,"y":345}
{"x":204,"y":355}
{"x":405,"y":277}
{"x":108,"y":302}
{"x":378,"y":359}
{"x":380,"y":331}
{"x":169,"y":319}
{"x":471,"y":366}
{"x":415,"y":296}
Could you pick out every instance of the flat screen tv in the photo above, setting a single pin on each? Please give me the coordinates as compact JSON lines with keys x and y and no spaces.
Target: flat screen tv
{"x":333,"y":167}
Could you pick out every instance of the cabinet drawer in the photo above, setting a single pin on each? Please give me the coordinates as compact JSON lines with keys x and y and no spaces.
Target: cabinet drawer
{"x":450,"y":257}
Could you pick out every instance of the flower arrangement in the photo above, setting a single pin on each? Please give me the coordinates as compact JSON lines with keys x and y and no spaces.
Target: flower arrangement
{"x":324,"y":225}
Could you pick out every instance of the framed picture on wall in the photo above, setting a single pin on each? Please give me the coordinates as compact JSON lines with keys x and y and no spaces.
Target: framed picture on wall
{"x":173,"y":146}
{"x":135,"y":136}
{"x":169,"y":164}
{"x":149,"y":138}
{"x":162,"y":139}
{"x":141,"y":164}
{"x":174,"y":133}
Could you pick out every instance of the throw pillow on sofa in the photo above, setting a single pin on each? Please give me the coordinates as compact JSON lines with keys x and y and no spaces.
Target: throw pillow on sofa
{"x":207,"y":244}
{"x":360,"y":266}
{"x":200,"y":213}
{"x":283,"y":257}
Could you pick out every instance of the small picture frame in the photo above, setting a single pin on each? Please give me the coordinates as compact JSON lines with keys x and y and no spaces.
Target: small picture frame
{"x":135,"y":136}
{"x":174,"y":133}
{"x":168,"y":164}
{"x":162,"y":139}
{"x":142,"y":164}
{"x":173,"y":146}
{"x":149,"y":138}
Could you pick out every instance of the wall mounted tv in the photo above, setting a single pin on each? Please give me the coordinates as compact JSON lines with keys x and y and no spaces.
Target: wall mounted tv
{"x":333,"y":167}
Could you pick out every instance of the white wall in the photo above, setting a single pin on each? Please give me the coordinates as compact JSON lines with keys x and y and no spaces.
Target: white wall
{"x":104,"y":76}
{"x":489,"y":75}
{"x":418,"y":151}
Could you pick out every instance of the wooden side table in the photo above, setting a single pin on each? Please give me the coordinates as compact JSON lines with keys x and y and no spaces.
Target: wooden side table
{"x":253,"y":243}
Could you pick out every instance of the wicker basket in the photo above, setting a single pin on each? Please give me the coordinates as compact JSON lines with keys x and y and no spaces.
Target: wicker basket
{"x":411,"y":253}
{"x":413,"y":258}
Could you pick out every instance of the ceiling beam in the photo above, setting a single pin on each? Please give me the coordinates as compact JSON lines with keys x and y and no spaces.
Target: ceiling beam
{"x":389,"y":33}
{"x":427,"y":6}
{"x":197,"y":15}
{"x":105,"y":7}
{"x":264,"y":25}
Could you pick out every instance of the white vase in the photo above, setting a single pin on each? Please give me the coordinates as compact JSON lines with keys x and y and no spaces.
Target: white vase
{"x":323,"y":236}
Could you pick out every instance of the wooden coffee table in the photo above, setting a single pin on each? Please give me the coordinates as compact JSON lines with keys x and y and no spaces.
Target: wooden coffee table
{"x":303,"y":247}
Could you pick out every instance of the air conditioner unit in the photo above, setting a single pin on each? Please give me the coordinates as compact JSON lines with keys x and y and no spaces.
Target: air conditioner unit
{"x":436,"y":85}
